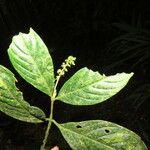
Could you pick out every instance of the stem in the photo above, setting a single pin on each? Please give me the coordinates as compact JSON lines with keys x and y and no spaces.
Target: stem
{"x":56,"y":83}
{"x":50,"y":116}
{"x":61,"y":72}
{"x":55,"y":123}
{"x":48,"y":126}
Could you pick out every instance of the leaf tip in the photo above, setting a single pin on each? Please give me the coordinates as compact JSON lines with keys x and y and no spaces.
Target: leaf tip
{"x":130,"y":74}
{"x":31,"y":30}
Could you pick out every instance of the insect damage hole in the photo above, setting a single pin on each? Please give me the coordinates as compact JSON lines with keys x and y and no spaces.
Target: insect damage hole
{"x":107,"y":131}
{"x":78,"y":126}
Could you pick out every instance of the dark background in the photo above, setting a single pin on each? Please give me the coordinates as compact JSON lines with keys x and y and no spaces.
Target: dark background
{"x":106,"y":36}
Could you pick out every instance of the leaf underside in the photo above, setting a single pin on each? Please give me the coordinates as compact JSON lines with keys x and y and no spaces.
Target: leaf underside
{"x":30,"y":57}
{"x":86,"y":87}
{"x":100,"y":135}
{"x":11,"y":100}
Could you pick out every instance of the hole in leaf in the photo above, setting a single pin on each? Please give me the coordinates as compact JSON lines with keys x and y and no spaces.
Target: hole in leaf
{"x":78,"y":126}
{"x":107,"y":131}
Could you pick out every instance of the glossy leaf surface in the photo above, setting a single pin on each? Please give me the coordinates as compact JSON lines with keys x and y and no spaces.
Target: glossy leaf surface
{"x":30,"y":57}
{"x":86,"y":87}
{"x":11,"y":100}
{"x":100,"y":135}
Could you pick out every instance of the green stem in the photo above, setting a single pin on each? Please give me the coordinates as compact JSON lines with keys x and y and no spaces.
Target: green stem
{"x":50,"y":120}
{"x":48,"y":126}
{"x":50,"y":116}
{"x":55,"y":123}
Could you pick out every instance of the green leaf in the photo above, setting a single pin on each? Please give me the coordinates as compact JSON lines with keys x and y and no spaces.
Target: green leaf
{"x":100,"y":135}
{"x":30,"y":57}
{"x":86,"y":87}
{"x":11,"y":100}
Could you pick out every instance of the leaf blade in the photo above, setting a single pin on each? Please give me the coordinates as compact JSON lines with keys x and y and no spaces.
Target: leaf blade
{"x":86,"y":87}
{"x":99,"y":134}
{"x":31,"y":59}
{"x":12,"y":102}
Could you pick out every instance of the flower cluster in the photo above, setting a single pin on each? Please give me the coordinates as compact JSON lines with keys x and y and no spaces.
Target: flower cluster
{"x":65,"y":65}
